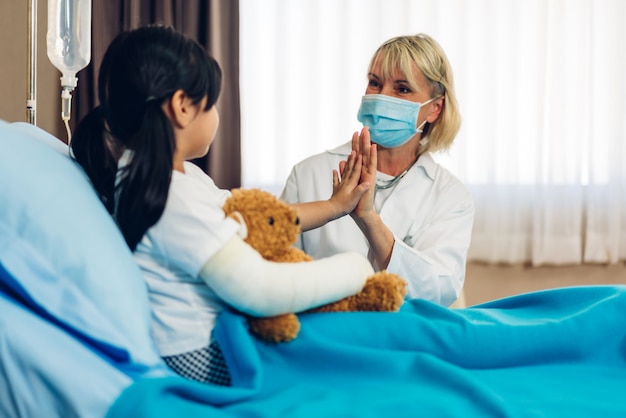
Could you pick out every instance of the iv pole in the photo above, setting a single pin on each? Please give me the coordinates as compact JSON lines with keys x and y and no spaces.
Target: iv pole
{"x":32,"y":63}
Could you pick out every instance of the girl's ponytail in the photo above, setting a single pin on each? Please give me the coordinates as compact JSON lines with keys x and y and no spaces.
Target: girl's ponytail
{"x":95,"y":151}
{"x":145,"y":185}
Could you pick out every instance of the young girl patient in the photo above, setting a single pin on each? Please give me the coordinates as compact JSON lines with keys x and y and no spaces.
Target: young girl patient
{"x":157,"y":91}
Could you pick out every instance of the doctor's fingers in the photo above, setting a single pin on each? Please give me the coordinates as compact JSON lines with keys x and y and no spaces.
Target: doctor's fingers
{"x":365,"y":144}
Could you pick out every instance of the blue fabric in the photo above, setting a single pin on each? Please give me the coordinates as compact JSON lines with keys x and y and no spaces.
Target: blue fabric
{"x":63,"y":249}
{"x":545,"y":354}
{"x":47,"y":372}
{"x":74,"y":314}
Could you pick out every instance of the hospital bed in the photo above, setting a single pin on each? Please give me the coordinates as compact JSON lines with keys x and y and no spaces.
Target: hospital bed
{"x":75,"y":342}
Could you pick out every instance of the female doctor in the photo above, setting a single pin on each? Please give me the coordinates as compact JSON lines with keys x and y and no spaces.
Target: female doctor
{"x":417,"y":221}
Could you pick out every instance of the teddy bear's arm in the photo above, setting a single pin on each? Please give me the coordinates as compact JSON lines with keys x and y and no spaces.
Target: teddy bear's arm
{"x":383,"y":292}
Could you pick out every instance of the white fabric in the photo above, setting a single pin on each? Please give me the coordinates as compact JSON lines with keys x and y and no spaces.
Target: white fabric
{"x":541,"y":89}
{"x":240,"y":276}
{"x":171,"y":254}
{"x":430,"y":213}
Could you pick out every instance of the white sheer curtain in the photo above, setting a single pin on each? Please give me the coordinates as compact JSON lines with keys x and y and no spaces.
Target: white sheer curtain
{"x":542,"y":90}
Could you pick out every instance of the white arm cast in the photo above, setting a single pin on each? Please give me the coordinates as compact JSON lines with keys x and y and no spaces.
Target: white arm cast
{"x":243,"y":279}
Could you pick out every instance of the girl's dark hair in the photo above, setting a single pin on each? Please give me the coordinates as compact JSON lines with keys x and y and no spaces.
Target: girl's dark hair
{"x":141,"y":69}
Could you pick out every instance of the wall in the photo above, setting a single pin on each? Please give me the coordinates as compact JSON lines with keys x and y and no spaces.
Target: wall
{"x":485,"y":282}
{"x":14,"y":68}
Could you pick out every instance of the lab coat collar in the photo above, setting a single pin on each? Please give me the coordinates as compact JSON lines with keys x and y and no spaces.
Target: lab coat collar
{"x":429,"y":165}
{"x":343,"y":149}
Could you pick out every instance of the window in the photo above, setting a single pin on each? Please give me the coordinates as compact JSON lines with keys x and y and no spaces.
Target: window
{"x":542,"y":90}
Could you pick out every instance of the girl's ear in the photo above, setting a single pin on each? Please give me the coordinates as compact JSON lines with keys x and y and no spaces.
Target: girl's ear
{"x":180,"y":109}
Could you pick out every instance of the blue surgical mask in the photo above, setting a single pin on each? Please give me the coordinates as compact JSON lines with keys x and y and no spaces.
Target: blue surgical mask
{"x":391,"y":121}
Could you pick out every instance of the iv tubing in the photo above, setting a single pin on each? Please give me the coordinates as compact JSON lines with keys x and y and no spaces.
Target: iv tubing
{"x":66,"y":109}
{"x":31,"y":103}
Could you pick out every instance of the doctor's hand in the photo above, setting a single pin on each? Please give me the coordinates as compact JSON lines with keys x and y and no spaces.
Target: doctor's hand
{"x":362,"y":145}
{"x":378,"y":235}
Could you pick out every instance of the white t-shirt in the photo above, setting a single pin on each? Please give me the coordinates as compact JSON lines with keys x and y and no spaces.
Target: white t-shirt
{"x":429,"y":211}
{"x":172,"y":253}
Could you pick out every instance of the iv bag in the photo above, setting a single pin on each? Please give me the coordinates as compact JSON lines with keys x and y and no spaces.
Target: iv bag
{"x":69,"y":37}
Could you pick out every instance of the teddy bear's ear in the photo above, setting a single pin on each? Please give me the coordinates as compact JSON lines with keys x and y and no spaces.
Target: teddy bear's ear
{"x":243,"y":230}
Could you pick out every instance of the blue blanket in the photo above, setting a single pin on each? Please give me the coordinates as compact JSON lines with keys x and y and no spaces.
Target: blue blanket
{"x":557,"y":353}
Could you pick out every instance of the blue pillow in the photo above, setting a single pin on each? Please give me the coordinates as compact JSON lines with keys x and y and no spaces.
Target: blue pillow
{"x":62,"y":254}
{"x":46,"y":372}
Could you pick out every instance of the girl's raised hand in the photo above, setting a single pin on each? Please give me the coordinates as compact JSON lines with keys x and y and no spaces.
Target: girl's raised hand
{"x":348,"y":188}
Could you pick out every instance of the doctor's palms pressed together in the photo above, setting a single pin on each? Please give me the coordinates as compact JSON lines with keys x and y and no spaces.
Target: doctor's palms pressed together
{"x":417,"y":221}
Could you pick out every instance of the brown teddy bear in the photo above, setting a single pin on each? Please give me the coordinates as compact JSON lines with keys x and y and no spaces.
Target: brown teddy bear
{"x":272,"y":229}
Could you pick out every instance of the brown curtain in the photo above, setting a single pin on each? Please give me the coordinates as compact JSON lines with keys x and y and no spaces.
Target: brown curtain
{"x":215,"y":25}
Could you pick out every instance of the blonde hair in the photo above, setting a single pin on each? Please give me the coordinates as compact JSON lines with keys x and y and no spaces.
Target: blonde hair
{"x":404,"y":53}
